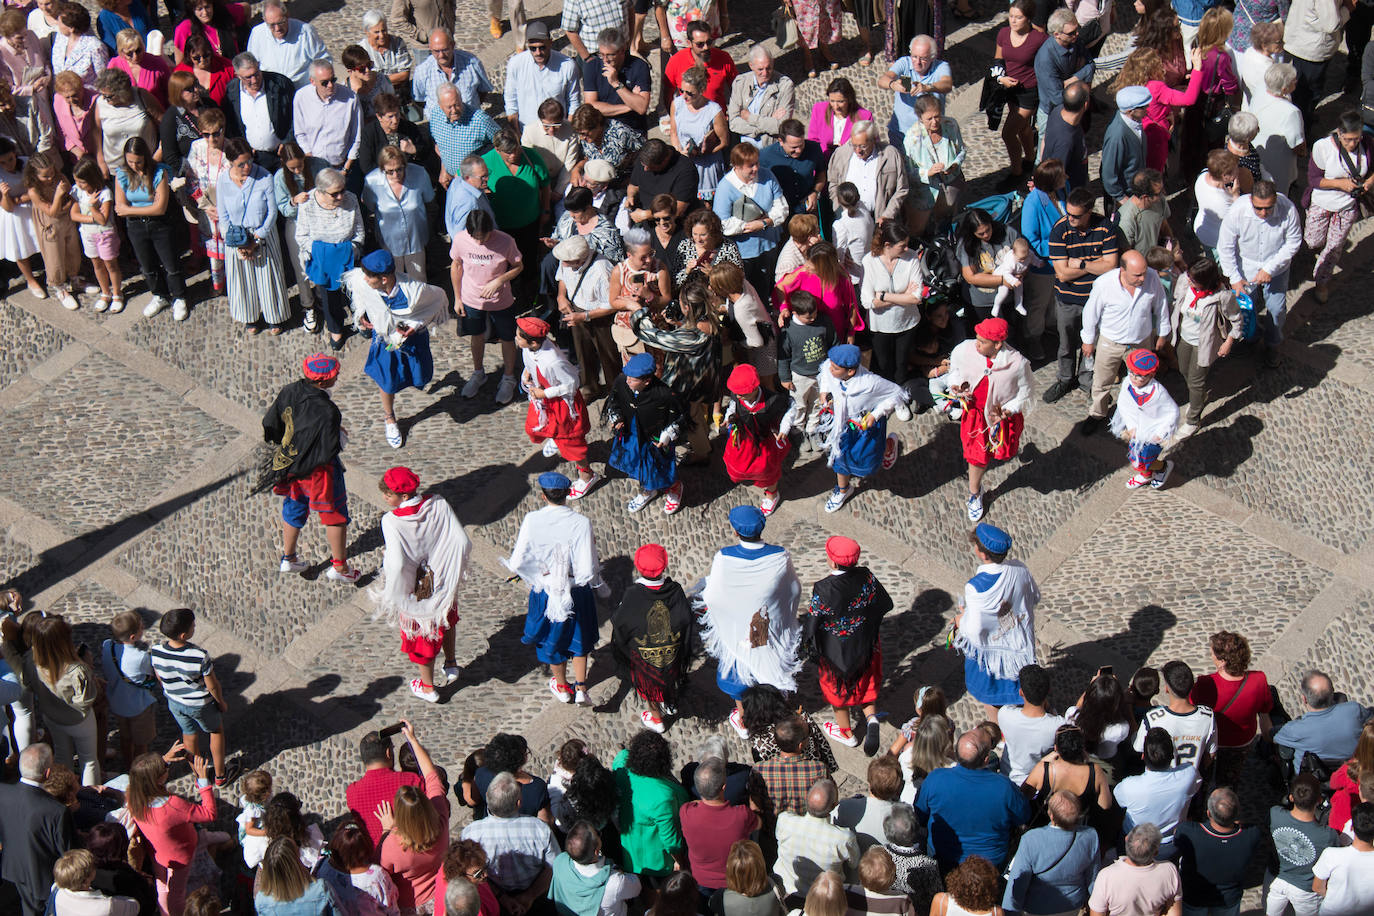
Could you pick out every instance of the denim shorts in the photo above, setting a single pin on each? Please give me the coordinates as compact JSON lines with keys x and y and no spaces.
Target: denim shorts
{"x":191,"y":719}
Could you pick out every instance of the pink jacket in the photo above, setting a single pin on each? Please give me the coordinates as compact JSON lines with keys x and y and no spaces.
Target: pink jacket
{"x":170,"y":827}
{"x":1158,"y":121}
{"x":823,"y":132}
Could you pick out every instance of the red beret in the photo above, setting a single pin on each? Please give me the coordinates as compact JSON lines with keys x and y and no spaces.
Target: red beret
{"x":651,"y":560}
{"x":842,"y":550}
{"x":744,"y":379}
{"x":534,"y":327}
{"x":991,"y":329}
{"x":401,"y":480}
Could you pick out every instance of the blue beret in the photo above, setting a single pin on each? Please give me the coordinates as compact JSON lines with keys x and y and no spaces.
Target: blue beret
{"x":552,"y":480}
{"x":846,"y":356}
{"x":641,"y":365}
{"x":379,"y":262}
{"x":993,"y":539}
{"x":1133,"y":97}
{"x":747,"y":520}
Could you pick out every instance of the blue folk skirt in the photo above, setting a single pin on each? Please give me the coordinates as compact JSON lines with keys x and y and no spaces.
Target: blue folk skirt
{"x":408,"y":366}
{"x":555,"y":643}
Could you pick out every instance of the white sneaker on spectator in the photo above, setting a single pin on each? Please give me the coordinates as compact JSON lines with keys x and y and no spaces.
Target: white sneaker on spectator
{"x":156,"y":305}
{"x":505,"y":392}
{"x":180,"y":310}
{"x":474,"y":384}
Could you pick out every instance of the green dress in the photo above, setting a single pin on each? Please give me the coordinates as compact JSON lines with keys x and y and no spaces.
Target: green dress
{"x":649,"y":829}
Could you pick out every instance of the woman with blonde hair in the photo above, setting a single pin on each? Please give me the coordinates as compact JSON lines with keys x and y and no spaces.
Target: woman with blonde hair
{"x":932,"y":748}
{"x":698,"y":130}
{"x":1219,"y":87}
{"x":743,"y":309}
{"x":63,"y":687}
{"x":168,"y":822}
{"x":284,"y":888}
{"x":416,"y":837}
{"x":826,"y":897}
{"x":146,"y":71}
{"x":748,"y":891}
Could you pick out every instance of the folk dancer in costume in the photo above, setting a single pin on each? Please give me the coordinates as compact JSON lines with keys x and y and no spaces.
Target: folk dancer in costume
{"x":995,"y":628}
{"x":305,"y":430}
{"x":749,"y":614}
{"x":1145,"y":416}
{"x":399,"y":312}
{"x":557,"y":415}
{"x":651,"y":634}
{"x":756,"y":424}
{"x":645,"y":418}
{"x":425,"y":559}
{"x":993,"y":384}
{"x":861,"y":402}
{"x":841,"y":622}
{"x":555,"y":554}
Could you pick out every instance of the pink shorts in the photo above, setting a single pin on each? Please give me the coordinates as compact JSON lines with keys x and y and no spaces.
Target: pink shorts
{"x":102,"y":245}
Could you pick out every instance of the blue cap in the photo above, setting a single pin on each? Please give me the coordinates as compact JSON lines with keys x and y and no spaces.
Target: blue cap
{"x":747,"y":520}
{"x":552,"y":480}
{"x":641,"y":365}
{"x":1133,"y":97}
{"x":379,"y":262}
{"x":993,"y":539}
{"x":846,"y":356}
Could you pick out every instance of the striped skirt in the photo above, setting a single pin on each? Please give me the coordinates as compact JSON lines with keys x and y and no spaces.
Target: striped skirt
{"x":256,"y":286}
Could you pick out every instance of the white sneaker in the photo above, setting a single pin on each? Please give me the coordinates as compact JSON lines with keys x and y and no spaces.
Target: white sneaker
{"x":1184,"y":431}
{"x":474,"y":384}
{"x":68,"y":300}
{"x":903,"y":412}
{"x":417,"y":687}
{"x":348,"y":575}
{"x":180,"y":310}
{"x":393,"y":434}
{"x":581,"y":488}
{"x":448,"y":676}
{"x":550,"y":448}
{"x":293,"y":566}
{"x":580,"y":695}
{"x":156,"y":305}
{"x":505,"y":393}
{"x":737,"y":723}
{"x":310,"y":320}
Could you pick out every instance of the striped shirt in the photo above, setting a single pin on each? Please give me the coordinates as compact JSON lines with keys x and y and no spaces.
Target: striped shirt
{"x":182,"y":672}
{"x":1099,"y":239}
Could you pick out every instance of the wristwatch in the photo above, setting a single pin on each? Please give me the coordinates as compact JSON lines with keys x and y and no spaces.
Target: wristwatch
{"x":617,"y":86}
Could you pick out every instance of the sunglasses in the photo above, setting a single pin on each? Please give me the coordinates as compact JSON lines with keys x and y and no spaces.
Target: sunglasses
{"x":1072,"y":215}
{"x":329,"y":82}
{"x":547,"y":126}
{"x":1259,"y":209}
{"x":393,"y":171}
{"x":663,"y":220}
{"x":538,"y":49}
{"x":337,"y":195}
{"x":211,"y":133}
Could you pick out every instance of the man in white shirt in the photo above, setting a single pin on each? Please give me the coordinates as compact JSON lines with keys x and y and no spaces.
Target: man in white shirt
{"x":285,"y":45}
{"x":1259,"y":236}
{"x":1344,"y":875}
{"x":259,"y":106}
{"x":1192,"y":727}
{"x":538,"y":73}
{"x":584,"y":280}
{"x":1028,"y":730}
{"x":1126,"y":309}
{"x":1161,"y":794}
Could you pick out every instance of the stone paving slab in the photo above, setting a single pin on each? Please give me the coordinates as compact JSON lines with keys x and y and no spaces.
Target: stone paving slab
{"x":31,"y":342}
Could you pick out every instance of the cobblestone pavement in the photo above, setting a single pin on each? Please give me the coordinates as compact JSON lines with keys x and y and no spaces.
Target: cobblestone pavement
{"x":124,"y":443}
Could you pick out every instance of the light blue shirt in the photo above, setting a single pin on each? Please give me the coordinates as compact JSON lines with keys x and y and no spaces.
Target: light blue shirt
{"x":122,"y":664}
{"x":401,"y":222}
{"x":329,"y":130}
{"x":903,"y":105}
{"x":528,"y":85}
{"x":252,"y":206}
{"x":461,"y":200}
{"x":292,"y":55}
{"x":1158,"y":797}
{"x":469,"y":77}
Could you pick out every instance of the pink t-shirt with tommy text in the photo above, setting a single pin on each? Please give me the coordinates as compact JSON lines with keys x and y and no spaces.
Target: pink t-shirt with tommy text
{"x":482,"y":264}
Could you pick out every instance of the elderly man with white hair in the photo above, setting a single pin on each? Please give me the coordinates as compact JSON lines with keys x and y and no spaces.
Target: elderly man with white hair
{"x":36,"y":829}
{"x":285,"y":45}
{"x":1280,"y":141}
{"x":760,"y":99}
{"x":919,"y":73}
{"x":390,"y":56}
{"x":327,"y":123}
{"x":877,"y":169}
{"x":1138,"y":883}
{"x":458,"y":129}
{"x":520,"y":848}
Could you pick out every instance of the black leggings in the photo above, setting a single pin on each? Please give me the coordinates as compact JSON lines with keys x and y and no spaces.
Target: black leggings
{"x":151,"y":238}
{"x":892,"y":355}
{"x":331,"y":302}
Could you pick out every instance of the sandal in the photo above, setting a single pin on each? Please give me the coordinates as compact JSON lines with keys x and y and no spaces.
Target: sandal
{"x":252,"y":329}
{"x":866,"y":60}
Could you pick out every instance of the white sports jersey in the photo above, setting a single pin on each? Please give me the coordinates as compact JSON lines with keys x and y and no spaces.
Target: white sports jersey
{"x":1194,"y":733}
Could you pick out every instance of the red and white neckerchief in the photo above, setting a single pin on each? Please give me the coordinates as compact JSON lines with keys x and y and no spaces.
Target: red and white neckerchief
{"x":1142,"y":395}
{"x":1198,"y":296}
{"x":753,"y":406}
{"x":988,"y":370}
{"x":410,"y":506}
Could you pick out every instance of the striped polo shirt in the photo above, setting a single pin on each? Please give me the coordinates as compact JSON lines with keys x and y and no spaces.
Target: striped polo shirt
{"x":1100,"y":238}
{"x":182,"y":672}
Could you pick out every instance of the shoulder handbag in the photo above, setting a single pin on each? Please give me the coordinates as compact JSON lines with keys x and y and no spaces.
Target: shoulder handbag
{"x":1364,"y":200}
{"x":237,"y":236}
{"x":785,"y":27}
{"x":1235,"y":696}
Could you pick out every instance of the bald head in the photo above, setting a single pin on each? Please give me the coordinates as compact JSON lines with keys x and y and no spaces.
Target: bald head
{"x":1064,"y":808}
{"x":1132,"y":269}
{"x":822,"y":798}
{"x":973,"y":749}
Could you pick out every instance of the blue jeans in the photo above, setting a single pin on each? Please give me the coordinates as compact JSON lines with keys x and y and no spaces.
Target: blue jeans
{"x":1275,"y":297}
{"x":192,"y":719}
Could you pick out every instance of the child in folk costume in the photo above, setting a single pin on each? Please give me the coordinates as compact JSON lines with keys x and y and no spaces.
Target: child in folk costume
{"x":399,"y":312}
{"x":995,"y":626}
{"x":555,"y":554}
{"x":425,"y":559}
{"x":305,"y":430}
{"x":749,"y":614}
{"x":558,"y":413}
{"x":861,"y":402}
{"x":1145,"y":416}
{"x":842,"y":622}
{"x":756,"y":426}
{"x":651,"y":633}
{"x":645,"y":417}
{"x":994,"y":385}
